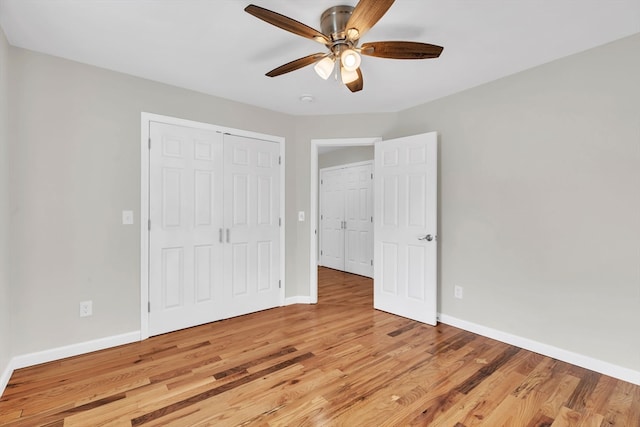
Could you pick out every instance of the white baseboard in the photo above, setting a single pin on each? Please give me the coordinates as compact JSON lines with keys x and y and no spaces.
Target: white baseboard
{"x":297,"y":300}
{"x":44,"y":356}
{"x":6,"y":376}
{"x":619,"y":372}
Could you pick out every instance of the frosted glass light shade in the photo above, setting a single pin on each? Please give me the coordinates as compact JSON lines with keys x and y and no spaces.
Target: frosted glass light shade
{"x":324,"y":67}
{"x":350,"y":59}
{"x":348,"y":76}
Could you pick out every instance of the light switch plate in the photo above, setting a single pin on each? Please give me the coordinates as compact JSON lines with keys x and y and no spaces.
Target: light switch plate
{"x":127,"y":217}
{"x":301,"y":216}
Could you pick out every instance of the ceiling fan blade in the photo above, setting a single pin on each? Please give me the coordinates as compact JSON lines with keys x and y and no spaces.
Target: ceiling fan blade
{"x":295,"y":65}
{"x":357,"y":84}
{"x":365,"y":15}
{"x":286,"y":23}
{"x":401,"y":50}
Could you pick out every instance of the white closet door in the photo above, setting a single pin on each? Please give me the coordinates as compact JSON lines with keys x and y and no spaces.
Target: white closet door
{"x":332,"y":219}
{"x":251,"y":217}
{"x":185,"y":254}
{"x":358,"y":216}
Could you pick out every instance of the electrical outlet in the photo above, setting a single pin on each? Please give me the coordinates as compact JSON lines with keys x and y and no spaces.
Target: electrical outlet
{"x":458,"y":292}
{"x":86,"y":308}
{"x":301,"y":216}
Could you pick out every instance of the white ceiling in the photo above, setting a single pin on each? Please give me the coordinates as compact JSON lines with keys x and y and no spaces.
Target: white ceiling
{"x":213,"y":46}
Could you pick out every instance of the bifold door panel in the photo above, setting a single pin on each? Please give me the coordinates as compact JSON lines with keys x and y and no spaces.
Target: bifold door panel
{"x":214,"y":226}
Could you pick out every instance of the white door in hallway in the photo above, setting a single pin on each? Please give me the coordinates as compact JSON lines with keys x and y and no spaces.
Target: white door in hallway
{"x":358,"y":220}
{"x":214,"y":226}
{"x":346,"y":215}
{"x":405,"y":278}
{"x":332,"y":218}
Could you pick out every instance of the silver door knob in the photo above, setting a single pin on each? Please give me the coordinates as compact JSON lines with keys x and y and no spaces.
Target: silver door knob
{"x":428,"y":238}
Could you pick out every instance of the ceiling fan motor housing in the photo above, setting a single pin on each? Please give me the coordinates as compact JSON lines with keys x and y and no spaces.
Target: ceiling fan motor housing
{"x":334,"y":20}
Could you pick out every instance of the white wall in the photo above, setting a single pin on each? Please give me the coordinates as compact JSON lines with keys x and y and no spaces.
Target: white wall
{"x":76,"y":166}
{"x":5,"y":324}
{"x":540,"y":202}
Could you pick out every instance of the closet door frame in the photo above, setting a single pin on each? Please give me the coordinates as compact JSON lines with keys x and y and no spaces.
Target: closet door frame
{"x":146,"y":119}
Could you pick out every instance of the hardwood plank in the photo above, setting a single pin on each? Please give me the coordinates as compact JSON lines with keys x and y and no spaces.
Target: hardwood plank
{"x":338,"y":362}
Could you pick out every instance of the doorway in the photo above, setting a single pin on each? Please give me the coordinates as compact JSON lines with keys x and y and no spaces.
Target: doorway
{"x":405,"y":225}
{"x":316,"y":146}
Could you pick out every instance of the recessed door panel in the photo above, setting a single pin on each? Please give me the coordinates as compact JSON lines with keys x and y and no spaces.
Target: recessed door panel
{"x":265,"y":265}
{"x":240,"y":265}
{"x":203,"y":198}
{"x":203,"y":273}
{"x":389,"y":266}
{"x":240,"y":196}
{"x":172,"y":277}
{"x":171,"y":197}
{"x":265,"y":196}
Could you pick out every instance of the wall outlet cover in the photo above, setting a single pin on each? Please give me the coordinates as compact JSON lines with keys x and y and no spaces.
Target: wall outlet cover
{"x":86,"y":308}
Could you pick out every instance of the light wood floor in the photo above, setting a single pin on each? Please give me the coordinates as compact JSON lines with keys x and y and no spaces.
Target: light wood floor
{"x":337,"y":363}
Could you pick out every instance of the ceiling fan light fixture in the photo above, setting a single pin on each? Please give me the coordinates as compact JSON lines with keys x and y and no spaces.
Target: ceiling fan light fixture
{"x":324,"y":67}
{"x":348,"y":76}
{"x":350,"y":59}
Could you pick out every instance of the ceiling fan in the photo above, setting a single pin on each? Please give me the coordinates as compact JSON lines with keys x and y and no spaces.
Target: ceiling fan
{"x":342,"y":27}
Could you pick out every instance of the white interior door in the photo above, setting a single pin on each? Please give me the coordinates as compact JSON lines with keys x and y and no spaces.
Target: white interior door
{"x":252,"y":223}
{"x":358,"y":216}
{"x":332,"y":218}
{"x":405,"y":278}
{"x":185,"y":254}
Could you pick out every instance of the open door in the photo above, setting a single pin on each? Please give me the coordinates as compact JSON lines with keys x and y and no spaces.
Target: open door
{"x":405,"y":208}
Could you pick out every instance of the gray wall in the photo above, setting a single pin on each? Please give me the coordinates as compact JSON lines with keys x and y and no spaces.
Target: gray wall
{"x":5,"y":325}
{"x":343,"y":156}
{"x":76,"y":166}
{"x":539,"y":200}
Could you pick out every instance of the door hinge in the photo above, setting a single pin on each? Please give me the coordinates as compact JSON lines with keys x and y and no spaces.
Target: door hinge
{"x":371,"y":176}
{"x":148,"y":306}
{"x":372,"y":262}
{"x":279,"y":283}
{"x":149,"y":224}
{"x":321,"y":181}
{"x":149,"y":143}
{"x":279,"y":160}
{"x":371,"y":219}
{"x":321,"y":216}
{"x":321,"y":252}
{"x":279,"y":222}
